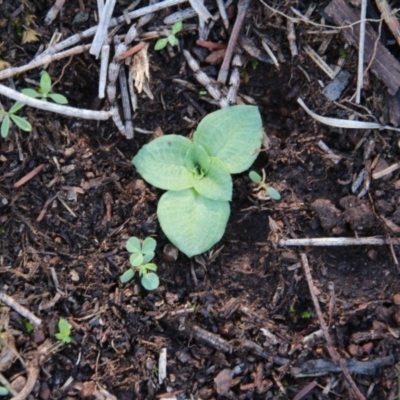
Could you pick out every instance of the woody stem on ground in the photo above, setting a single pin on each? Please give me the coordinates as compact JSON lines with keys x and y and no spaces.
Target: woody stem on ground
{"x":56,"y":108}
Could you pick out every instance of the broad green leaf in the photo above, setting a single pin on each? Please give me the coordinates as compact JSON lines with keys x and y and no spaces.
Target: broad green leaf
{"x":255,"y":177}
{"x":133,"y":245}
{"x":149,"y":245}
{"x":173,"y":41}
{"x":150,"y":281}
{"x":150,"y":267}
{"x":5,"y":126}
{"x":177,"y":27}
{"x":3,"y":391}
{"x":31,"y":93}
{"x":22,"y":123}
{"x":192,"y":222}
{"x":160,"y":44}
{"x":58,"y":98}
{"x":161,"y":163}
{"x":273,"y":193}
{"x":16,"y":107}
{"x":45,"y":83}
{"x":148,"y":257}
{"x":127,"y":276}
{"x":217,"y":184}
{"x":232,"y":134}
{"x":197,"y":161}
{"x":136,"y":259}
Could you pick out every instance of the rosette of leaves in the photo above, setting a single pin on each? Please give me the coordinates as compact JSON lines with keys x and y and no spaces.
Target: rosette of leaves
{"x":44,"y":92}
{"x":141,"y":255}
{"x":194,"y":211}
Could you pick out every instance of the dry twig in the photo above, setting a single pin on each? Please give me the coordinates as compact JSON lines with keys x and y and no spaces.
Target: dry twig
{"x":339,"y":241}
{"x":361,"y":48}
{"x":20,"y":309}
{"x":389,"y":16}
{"x":242,"y":8}
{"x":329,"y":344}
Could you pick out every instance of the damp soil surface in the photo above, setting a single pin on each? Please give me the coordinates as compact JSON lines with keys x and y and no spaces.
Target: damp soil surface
{"x":237,"y":322}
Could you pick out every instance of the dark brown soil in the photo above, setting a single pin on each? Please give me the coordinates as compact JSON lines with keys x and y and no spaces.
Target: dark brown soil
{"x":211,"y":313}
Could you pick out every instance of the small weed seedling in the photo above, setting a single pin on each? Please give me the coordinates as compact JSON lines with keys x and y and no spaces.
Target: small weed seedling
{"x":8,"y":116}
{"x":44,"y":91}
{"x":194,"y":211}
{"x":64,"y":331}
{"x":171,"y":38}
{"x":262,"y":186}
{"x":141,"y":255}
{"x":28,"y":326}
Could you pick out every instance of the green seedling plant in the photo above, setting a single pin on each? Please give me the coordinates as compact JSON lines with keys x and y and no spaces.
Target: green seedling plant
{"x":141,"y":255}
{"x":64,"y":331}
{"x":8,"y":117}
{"x":171,"y":38}
{"x":263,"y":187}
{"x":194,"y":211}
{"x":44,"y":92}
{"x":29,"y":328}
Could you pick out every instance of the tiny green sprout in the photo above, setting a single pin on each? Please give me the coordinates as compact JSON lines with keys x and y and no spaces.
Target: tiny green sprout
{"x":262,"y":187}
{"x":254,"y":64}
{"x":44,"y":92}
{"x":3,"y":391}
{"x":9,"y":116}
{"x":28,"y":326}
{"x":141,"y":255}
{"x":171,"y":38}
{"x":306,"y":315}
{"x":64,"y":334}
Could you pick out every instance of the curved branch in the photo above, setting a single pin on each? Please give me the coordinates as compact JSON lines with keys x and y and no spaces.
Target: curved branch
{"x":33,"y":373}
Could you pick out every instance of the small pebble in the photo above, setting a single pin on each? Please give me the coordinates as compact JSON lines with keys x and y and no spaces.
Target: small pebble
{"x":396,"y":299}
{"x":372,"y":254}
{"x":170,"y":253}
{"x":38,"y":336}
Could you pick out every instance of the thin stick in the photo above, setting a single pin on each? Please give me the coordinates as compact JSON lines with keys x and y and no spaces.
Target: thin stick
{"x":29,"y":176}
{"x":222,"y":11}
{"x":33,"y":373}
{"x":329,"y":344}
{"x":6,"y":73}
{"x":126,"y":105}
{"x":55,"y":108}
{"x":20,"y":309}
{"x":344,"y":123}
{"x":105,"y":55}
{"x":242,"y":8}
{"x":7,"y":385}
{"x":291,"y":36}
{"x":100,"y":36}
{"x":388,"y":170}
{"x":360,"y":69}
{"x":339,"y":241}
{"x":53,"y":12}
{"x":72,"y":40}
{"x":390,"y":18}
{"x":100,"y":6}
{"x":133,"y":50}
